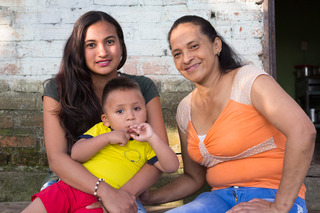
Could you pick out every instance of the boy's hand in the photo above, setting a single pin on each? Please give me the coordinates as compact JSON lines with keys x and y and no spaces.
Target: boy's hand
{"x":120,"y":137}
{"x":143,"y":132}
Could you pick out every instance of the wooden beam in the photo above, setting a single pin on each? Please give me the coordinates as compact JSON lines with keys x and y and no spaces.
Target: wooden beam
{"x":269,"y":39}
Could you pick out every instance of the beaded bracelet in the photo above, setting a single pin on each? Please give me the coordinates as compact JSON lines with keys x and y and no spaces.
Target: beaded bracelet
{"x":96,"y":189}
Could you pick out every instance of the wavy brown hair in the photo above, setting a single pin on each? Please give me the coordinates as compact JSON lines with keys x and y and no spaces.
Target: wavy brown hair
{"x":80,"y":107}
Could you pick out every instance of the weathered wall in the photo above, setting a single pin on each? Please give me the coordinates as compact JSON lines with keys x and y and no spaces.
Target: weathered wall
{"x":33,"y":33}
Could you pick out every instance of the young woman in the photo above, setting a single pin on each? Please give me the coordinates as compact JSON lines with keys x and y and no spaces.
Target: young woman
{"x":239,"y":131}
{"x":92,"y":56}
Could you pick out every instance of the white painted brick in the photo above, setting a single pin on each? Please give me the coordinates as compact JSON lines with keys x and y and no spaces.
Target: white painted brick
{"x":49,"y":16}
{"x":249,"y":46}
{"x":138,"y":14}
{"x":172,"y":13}
{"x":130,"y":31}
{"x":40,"y":49}
{"x":253,"y":30}
{"x":25,"y":18}
{"x":10,"y":67}
{"x":33,"y":32}
{"x":206,"y":2}
{"x":11,"y":33}
{"x":19,"y":3}
{"x":156,"y":65}
{"x":154,"y":31}
{"x":7,"y":50}
{"x":117,"y":3}
{"x":68,"y":3}
{"x":54,"y":32}
{"x":163,"y":2}
{"x":232,"y":16}
{"x":70,"y":16}
{"x":146,"y":47}
{"x":224,"y":31}
{"x":204,"y":5}
{"x":40,"y":67}
{"x":5,"y":18}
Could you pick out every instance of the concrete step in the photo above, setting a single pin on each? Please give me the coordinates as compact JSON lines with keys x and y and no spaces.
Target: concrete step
{"x":14,"y":207}
{"x":17,"y":186}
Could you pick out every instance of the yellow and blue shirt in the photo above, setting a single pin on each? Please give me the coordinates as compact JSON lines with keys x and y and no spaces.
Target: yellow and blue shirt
{"x":118,"y":164}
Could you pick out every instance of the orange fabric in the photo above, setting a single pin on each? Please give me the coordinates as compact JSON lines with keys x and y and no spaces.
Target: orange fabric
{"x":229,"y":147}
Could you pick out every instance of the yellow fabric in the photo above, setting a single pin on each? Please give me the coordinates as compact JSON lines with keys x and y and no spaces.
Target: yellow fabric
{"x":117,"y":164}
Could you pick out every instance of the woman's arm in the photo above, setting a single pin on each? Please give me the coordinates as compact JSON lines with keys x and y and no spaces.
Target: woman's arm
{"x":192,"y":180}
{"x":148,"y":174}
{"x":72,"y":172}
{"x":287,"y":116}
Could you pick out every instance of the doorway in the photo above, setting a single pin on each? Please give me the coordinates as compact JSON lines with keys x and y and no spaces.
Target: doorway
{"x":297,"y":27}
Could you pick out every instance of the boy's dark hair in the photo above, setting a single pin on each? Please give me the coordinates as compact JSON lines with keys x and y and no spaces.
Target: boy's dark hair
{"x":119,"y":83}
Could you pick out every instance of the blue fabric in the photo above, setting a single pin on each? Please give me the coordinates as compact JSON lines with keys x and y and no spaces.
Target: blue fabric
{"x":49,"y":183}
{"x":141,"y":208}
{"x":224,"y":199}
{"x":153,"y":160}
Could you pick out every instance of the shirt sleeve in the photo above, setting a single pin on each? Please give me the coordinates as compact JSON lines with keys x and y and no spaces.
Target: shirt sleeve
{"x":151,"y":155}
{"x":183,"y":113}
{"x":51,"y":89}
{"x":94,"y":131}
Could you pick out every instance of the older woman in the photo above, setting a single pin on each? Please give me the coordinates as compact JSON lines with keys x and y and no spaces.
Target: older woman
{"x":238,"y":131}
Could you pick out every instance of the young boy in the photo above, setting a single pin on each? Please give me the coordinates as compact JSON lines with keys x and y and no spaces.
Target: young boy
{"x":111,"y":149}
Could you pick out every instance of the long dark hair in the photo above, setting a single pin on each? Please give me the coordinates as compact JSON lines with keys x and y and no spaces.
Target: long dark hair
{"x":228,"y":58}
{"x":80,"y":107}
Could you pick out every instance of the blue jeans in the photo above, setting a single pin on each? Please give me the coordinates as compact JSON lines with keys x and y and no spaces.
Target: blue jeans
{"x":141,"y":208}
{"x":223,"y":200}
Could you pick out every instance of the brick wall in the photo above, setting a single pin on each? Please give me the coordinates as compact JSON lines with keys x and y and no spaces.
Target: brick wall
{"x":33,"y":33}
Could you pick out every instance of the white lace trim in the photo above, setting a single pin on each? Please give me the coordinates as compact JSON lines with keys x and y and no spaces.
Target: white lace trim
{"x":211,"y":160}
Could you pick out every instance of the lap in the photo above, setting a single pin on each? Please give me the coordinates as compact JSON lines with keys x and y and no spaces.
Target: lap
{"x":206,"y":202}
{"x":224,"y":199}
{"x":60,"y":197}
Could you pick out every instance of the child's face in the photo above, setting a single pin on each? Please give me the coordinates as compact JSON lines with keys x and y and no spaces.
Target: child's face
{"x":124,"y":108}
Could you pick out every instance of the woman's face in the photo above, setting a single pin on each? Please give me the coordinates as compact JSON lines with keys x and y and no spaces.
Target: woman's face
{"x":102,"y":48}
{"x":193,"y":53}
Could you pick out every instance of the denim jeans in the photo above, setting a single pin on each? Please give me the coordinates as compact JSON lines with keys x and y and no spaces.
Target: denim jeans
{"x":223,"y":200}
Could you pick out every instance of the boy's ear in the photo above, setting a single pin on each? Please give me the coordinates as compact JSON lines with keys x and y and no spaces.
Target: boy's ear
{"x":105,"y":120}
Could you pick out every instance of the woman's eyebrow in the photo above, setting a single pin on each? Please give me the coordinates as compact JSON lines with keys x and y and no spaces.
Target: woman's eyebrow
{"x":108,"y":37}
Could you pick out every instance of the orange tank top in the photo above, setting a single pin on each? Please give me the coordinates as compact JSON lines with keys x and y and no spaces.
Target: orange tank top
{"x":241,"y":148}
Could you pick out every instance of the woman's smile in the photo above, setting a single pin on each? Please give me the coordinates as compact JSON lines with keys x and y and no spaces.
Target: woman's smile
{"x":103,"y":63}
{"x":192,"y":67}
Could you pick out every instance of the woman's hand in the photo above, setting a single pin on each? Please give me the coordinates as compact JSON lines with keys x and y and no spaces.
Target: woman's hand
{"x":97,"y":205}
{"x":116,"y":201}
{"x":255,"y":205}
{"x":145,"y":197}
